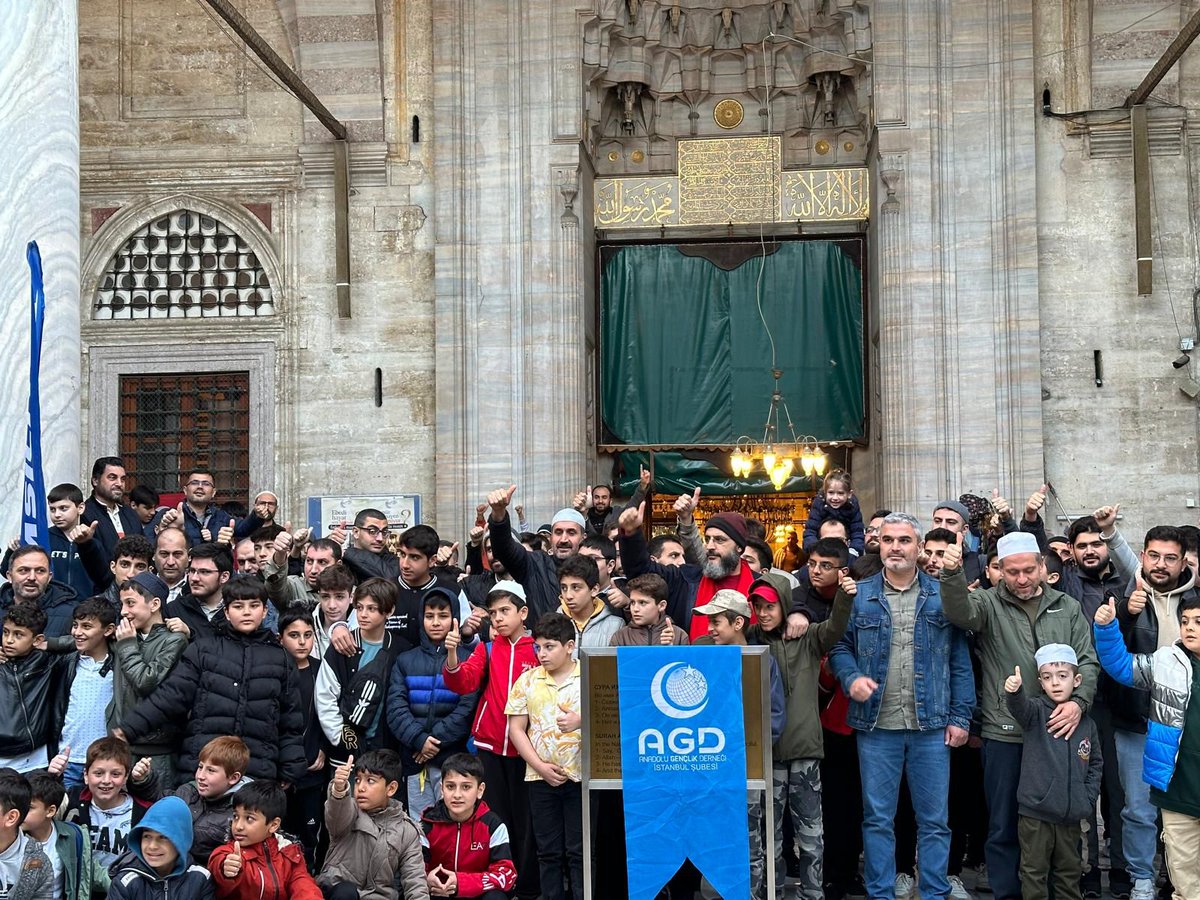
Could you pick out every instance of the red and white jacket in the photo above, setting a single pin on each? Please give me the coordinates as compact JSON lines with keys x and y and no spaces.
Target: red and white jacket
{"x":495,"y":666}
{"x":476,"y":851}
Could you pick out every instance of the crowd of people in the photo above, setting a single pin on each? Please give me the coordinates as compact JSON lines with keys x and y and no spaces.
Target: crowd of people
{"x":201,"y":701}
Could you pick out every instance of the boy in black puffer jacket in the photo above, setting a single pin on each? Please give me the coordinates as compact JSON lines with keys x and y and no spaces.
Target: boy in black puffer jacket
{"x":1060,"y":779}
{"x":430,"y":721}
{"x":241,"y":682}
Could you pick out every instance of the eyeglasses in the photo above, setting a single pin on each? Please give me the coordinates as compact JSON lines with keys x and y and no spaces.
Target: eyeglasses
{"x":373,"y":531}
{"x":196,"y":482}
{"x":822,"y":566}
{"x":192,"y":571}
{"x":1169,"y":558}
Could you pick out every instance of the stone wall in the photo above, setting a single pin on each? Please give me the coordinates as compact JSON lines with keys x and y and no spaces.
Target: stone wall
{"x":1132,"y":440}
{"x":175,"y":113}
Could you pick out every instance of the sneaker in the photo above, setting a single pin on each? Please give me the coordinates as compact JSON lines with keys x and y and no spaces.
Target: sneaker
{"x":1089,"y":884}
{"x":1143,"y":889}
{"x":981,"y":879}
{"x":904,"y":886}
{"x":957,"y":890}
{"x":857,"y":889}
{"x":1119,"y":884}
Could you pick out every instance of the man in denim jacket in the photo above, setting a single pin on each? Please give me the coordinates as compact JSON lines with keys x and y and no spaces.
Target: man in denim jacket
{"x":907,"y":672}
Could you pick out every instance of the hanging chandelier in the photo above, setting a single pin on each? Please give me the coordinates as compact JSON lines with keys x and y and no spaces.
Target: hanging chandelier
{"x":777,"y":456}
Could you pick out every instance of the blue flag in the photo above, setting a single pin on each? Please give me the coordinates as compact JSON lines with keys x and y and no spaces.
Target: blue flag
{"x":683,"y":767}
{"x":34,"y":528}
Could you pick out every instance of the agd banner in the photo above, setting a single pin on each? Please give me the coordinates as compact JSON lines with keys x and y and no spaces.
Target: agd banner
{"x":683,"y":766}
{"x":34,"y":527}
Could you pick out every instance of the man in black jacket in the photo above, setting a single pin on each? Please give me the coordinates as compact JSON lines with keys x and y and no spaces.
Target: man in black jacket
{"x":30,"y":582}
{"x":199,"y":611}
{"x":107,"y":505}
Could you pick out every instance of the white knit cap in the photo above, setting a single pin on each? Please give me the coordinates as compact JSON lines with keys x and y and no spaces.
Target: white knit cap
{"x":570,"y":515}
{"x":1016,"y":542}
{"x":1056,"y":653}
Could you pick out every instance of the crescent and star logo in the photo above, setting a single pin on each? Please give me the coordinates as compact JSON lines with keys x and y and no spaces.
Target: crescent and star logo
{"x":679,"y":691}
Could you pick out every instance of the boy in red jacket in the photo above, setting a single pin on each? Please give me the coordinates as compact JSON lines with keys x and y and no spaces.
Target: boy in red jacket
{"x":495,"y":667}
{"x":253,"y":866}
{"x":465,"y":843}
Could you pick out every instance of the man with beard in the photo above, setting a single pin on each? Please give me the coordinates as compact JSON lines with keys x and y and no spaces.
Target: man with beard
{"x":1005,"y":620}
{"x":725,"y":537}
{"x":107,"y":506}
{"x":1149,"y":619}
{"x":536,"y":572}
{"x":30,"y":582}
{"x":287,"y":591}
{"x":912,"y":692}
{"x":601,"y":517}
{"x":199,"y":611}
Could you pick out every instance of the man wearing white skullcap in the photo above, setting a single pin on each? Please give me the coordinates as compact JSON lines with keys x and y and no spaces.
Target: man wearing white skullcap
{"x":1010,"y":621}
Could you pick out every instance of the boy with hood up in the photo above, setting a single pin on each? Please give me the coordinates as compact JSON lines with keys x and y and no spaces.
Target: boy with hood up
{"x":156,"y":866}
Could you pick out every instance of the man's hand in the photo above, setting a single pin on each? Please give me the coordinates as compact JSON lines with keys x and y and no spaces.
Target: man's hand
{"x":568,"y":719}
{"x":58,"y":765}
{"x":225,"y":535}
{"x":444,"y":554}
{"x":643,"y":478}
{"x":172,"y":518}
{"x":797,"y":624}
{"x":141,"y":770}
{"x":862,"y":687}
{"x":1064,"y":720}
{"x":338,"y":535}
{"x":282,"y":546}
{"x":1106,"y":518}
{"x":848,"y":585}
{"x":955,"y":736}
{"x":582,"y":501}
{"x":552,"y":774}
{"x":341,"y":775}
{"x":1003,"y":510}
{"x":475,"y":538}
{"x":341,"y":640}
{"x":685,"y":507}
{"x":1108,"y":612}
{"x":1033,"y":506}
{"x":81,"y":533}
{"x":318,"y":763}
{"x":178,"y":626}
{"x":630,"y":521}
{"x":125,"y":630}
{"x":205,"y":535}
{"x":498,"y":500}
{"x":1139,"y":598}
{"x":232,"y":866}
{"x":953,"y":556}
{"x":1012,"y":683}
{"x":119,"y":733}
{"x":667,"y":636}
{"x":474,"y":620}
{"x":14,"y":545}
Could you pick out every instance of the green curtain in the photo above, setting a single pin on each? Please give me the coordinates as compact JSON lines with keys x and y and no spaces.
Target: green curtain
{"x":685,"y":358}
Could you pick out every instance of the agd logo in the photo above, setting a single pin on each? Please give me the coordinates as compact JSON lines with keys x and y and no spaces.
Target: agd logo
{"x":680,"y":691}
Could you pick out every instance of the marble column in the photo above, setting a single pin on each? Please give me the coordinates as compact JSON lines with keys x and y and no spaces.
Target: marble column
{"x":510,"y":281}
{"x":39,"y":194}
{"x":959,"y":319}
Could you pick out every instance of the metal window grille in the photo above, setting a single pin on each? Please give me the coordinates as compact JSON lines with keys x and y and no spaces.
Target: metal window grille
{"x":170,"y":423}
{"x":183,"y":265}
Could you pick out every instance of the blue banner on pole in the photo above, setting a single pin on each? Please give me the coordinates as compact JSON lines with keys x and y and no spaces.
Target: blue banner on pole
{"x":34,"y":527}
{"x":683,"y":766}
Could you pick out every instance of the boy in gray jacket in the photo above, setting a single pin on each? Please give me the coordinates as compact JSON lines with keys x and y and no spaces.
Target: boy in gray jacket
{"x":1060,"y":779}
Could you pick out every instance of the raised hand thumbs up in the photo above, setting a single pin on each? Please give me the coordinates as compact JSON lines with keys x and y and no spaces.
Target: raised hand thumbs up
{"x":1139,"y":598}
{"x":667,"y":636}
{"x":341,"y":774}
{"x":1012,"y":683}
{"x":58,"y":765}
{"x":1035,"y":503}
{"x":1003,"y":510}
{"x":453,"y":637}
{"x":952,"y":557}
{"x":499,"y":499}
{"x":1108,"y":612}
{"x":567,"y":720}
{"x":81,"y":533}
{"x":232,"y":866}
{"x":630,"y":520}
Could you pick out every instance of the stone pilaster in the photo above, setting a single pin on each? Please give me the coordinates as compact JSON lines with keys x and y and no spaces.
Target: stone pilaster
{"x":959,"y":318}
{"x":511,"y":342}
{"x":39,"y":193}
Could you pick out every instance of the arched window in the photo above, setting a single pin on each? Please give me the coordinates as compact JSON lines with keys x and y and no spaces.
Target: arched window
{"x":183,"y":264}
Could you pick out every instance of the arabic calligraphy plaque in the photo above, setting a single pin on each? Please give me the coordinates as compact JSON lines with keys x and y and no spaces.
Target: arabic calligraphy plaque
{"x":825,"y":195}
{"x":637,"y":202}
{"x":728,"y":180}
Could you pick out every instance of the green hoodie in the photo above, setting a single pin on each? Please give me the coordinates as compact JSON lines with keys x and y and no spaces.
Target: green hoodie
{"x":1005,"y":638}
{"x":799,"y":664}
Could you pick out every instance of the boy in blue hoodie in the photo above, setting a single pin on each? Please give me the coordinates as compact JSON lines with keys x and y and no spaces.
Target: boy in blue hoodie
{"x":157,"y":864}
{"x":430,"y":721}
